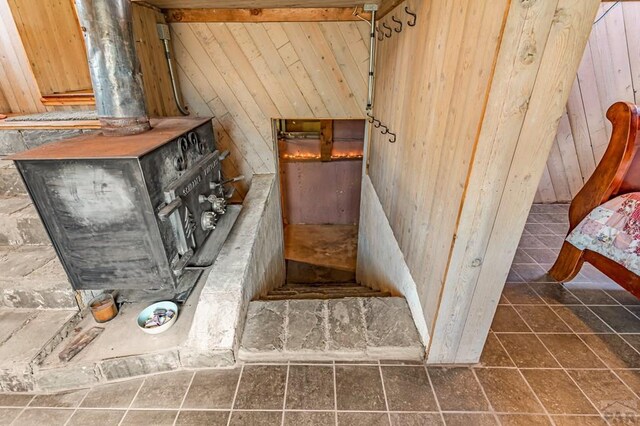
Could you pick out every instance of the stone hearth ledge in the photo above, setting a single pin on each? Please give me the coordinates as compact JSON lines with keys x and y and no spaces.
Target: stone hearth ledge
{"x":209,"y":328}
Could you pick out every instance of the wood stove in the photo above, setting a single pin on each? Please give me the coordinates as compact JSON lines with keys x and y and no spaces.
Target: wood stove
{"x":130,"y":212}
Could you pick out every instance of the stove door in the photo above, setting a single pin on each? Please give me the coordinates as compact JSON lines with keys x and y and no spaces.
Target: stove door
{"x":191,"y":209}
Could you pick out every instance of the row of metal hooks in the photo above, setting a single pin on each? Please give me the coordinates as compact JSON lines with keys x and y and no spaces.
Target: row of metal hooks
{"x":387,"y":31}
{"x":384,"y":130}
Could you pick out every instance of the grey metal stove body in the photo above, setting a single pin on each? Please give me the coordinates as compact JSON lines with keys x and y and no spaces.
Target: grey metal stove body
{"x":131,"y":219}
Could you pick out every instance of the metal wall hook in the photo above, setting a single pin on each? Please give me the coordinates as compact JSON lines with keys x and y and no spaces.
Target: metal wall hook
{"x":370,"y":118}
{"x":385,"y":131}
{"x":380,"y":34}
{"x":415,"y":17}
{"x":397,"y":21}
{"x":377,"y":123}
{"x":388,"y":28}
{"x":392,"y":139}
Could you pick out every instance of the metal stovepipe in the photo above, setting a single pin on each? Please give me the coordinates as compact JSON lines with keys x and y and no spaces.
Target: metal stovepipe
{"x":114,"y":65}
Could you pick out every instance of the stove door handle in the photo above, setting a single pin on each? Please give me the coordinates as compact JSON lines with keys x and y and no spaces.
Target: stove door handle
{"x":168,"y":210}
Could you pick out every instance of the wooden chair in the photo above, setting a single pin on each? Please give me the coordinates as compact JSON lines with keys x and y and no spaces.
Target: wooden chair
{"x":617,"y":173}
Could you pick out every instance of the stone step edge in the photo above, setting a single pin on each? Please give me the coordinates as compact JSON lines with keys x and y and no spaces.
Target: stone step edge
{"x":21,"y":379}
{"x":15,"y":298}
{"x":408,"y":353}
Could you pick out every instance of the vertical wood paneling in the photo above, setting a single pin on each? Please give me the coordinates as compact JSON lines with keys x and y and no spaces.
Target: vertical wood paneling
{"x":512,"y":150}
{"x":52,"y":39}
{"x":59,"y":33}
{"x":609,"y":72}
{"x":16,"y":78}
{"x":158,"y":93}
{"x":246,"y":74}
{"x":432,"y":82}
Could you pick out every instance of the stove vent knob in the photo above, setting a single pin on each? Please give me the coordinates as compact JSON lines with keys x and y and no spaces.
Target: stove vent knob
{"x":219,"y":204}
{"x":208,"y":221}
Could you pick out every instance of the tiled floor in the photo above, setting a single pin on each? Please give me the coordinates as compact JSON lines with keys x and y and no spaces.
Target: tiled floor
{"x":563,"y":356}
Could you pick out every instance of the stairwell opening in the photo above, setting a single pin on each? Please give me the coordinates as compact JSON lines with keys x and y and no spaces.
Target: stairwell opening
{"x":320,"y":171}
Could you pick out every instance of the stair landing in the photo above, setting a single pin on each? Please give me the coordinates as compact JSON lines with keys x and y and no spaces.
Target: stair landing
{"x":353,"y":328}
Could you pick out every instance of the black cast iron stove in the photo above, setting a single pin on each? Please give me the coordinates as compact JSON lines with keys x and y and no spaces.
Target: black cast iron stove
{"x":133,"y":213}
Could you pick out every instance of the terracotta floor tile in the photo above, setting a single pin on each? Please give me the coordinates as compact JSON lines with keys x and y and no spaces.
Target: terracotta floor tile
{"x":494,"y":354}
{"x":579,"y":421}
{"x":167,"y":390}
{"x":554,"y":293}
{"x":84,"y":417}
{"x":306,"y":418}
{"x":416,"y":419}
{"x":541,"y":255}
{"x":522,"y":257}
{"x":631,"y":378}
{"x":527,"y":351}
{"x":310,"y":387}
{"x":8,"y":415}
{"x":14,"y":399}
{"x":202,"y":418}
{"x":531,"y":273}
{"x":116,"y":395}
{"x":363,"y":419}
{"x":618,"y":318}
{"x":521,"y":294}
{"x":359,"y":388}
{"x":513,"y":277}
{"x":623,"y":297}
{"x":581,"y":319}
{"x":507,"y":319}
{"x":408,"y":389}
{"x":507,"y":391}
{"x":457,"y":389}
{"x":261,"y":387}
{"x":593,"y":296}
{"x":570,"y":351}
{"x":542,"y":319}
{"x":256,"y":418}
{"x":43,"y":416}
{"x":558,"y":393}
{"x":523,"y":420}
{"x":613,"y":350}
{"x":633,"y":340}
{"x":149,"y":417}
{"x":212,"y":389}
{"x":606,"y":392}
{"x":461,"y":419}
{"x":67,"y":399}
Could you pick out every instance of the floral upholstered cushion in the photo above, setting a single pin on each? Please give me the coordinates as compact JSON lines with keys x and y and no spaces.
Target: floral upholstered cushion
{"x":613,"y":230}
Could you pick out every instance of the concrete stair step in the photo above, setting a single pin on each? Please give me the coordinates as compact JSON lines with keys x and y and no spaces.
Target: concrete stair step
{"x":27,"y":336}
{"x":20,"y":223}
{"x":10,"y":182}
{"x":32,"y":277}
{"x":355,"y":328}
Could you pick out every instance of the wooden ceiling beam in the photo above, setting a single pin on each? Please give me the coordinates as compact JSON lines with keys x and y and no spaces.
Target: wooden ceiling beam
{"x":387,"y":6}
{"x":264,"y":15}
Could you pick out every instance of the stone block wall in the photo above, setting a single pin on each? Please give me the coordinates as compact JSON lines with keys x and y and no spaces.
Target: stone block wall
{"x":251,"y":262}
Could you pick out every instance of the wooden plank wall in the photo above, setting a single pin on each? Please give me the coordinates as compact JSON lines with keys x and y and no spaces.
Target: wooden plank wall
{"x":158,"y":92}
{"x":609,"y":72}
{"x":539,"y":55}
{"x":16,"y":78}
{"x":20,"y":87}
{"x":432,"y":83}
{"x":51,"y":36}
{"x":247,"y":74}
